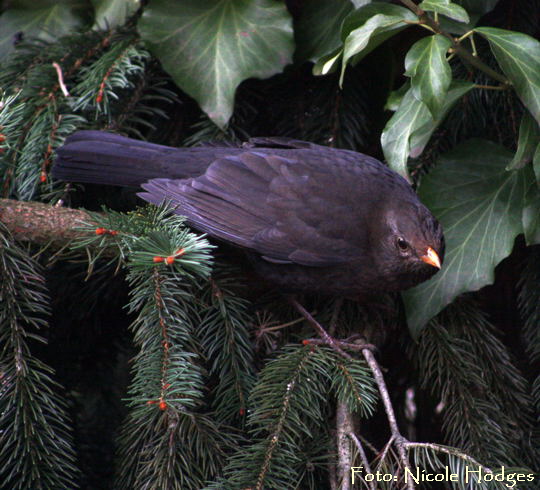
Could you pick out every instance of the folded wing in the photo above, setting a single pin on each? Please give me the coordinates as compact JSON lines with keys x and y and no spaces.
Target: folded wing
{"x":276,"y":205}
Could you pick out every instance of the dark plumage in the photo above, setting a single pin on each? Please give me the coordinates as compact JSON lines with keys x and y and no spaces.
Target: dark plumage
{"x":311,"y":218}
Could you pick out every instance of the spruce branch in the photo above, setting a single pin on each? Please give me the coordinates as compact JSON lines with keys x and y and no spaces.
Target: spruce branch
{"x":225,"y":341}
{"x":396,"y":438}
{"x":167,"y":441}
{"x":43,"y":224}
{"x":529,"y":304}
{"x":36,"y":447}
{"x":287,"y":408}
{"x":470,"y":371}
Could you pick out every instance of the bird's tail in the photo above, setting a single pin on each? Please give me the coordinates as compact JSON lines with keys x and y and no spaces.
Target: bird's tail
{"x":98,"y":157}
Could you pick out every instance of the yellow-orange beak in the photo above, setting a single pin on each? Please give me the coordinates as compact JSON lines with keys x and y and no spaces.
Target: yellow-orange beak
{"x":431,"y":258}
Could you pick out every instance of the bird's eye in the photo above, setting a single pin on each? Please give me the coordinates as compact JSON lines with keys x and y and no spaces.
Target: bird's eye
{"x":402,"y":244}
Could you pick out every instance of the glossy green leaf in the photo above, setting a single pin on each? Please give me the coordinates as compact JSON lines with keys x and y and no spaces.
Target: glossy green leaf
{"x":421,"y":135}
{"x":318,"y":31}
{"x":475,"y":10}
{"x":529,"y":138}
{"x":112,"y":13}
{"x":327,"y":63}
{"x":409,"y":129}
{"x":518,"y":56}
{"x":210,"y":46}
{"x":396,"y":96}
{"x":429,"y":70}
{"x":45,"y":19}
{"x":479,"y":205}
{"x":395,"y":139}
{"x":370,"y":25}
{"x":447,"y":8}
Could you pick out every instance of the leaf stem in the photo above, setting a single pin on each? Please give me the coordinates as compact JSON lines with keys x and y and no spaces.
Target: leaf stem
{"x":456,"y":46}
{"x":492,"y":87}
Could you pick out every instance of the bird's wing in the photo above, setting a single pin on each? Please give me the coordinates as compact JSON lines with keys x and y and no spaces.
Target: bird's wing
{"x":283,"y":142}
{"x":287,"y":209}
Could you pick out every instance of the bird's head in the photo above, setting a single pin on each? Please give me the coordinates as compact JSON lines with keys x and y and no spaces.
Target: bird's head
{"x":410,"y":244}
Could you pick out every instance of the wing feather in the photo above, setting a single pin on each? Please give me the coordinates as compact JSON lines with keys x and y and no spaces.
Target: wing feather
{"x":273,"y":204}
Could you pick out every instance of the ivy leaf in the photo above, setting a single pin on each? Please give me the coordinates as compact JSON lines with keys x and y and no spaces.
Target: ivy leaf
{"x":46,"y":20}
{"x":318,"y":31}
{"x":209,"y":47}
{"x":429,"y":70}
{"x":112,"y":13}
{"x":409,"y":129}
{"x":447,"y":8}
{"x":367,"y":27}
{"x":528,"y":141}
{"x":479,"y":205}
{"x":421,"y":135}
{"x":327,"y":63}
{"x":475,"y":9}
{"x":396,"y":96}
{"x":518,"y":56}
{"x":395,"y":139}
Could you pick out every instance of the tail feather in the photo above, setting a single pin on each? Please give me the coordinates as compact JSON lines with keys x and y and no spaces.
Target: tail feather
{"x":98,"y":157}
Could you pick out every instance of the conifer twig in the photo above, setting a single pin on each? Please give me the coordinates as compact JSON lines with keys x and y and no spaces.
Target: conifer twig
{"x":344,"y":428}
{"x":398,"y":440}
{"x":363,"y":457}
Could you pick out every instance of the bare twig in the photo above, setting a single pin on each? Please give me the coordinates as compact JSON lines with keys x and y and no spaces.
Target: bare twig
{"x":344,"y":428}
{"x":320,"y":330}
{"x":363,"y":457}
{"x":398,"y":440}
{"x":343,"y":343}
{"x":63,"y":88}
{"x":446,"y":450}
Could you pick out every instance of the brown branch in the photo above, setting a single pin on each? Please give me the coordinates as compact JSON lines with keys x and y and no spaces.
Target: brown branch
{"x":42,"y":224}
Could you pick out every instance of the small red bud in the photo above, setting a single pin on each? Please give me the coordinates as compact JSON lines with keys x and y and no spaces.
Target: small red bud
{"x":162,"y":405}
{"x":113,"y":232}
{"x":100,"y":231}
{"x":99,"y":98}
{"x":2,"y":138}
{"x":43,"y":177}
{"x":169,"y":259}
{"x":157,"y":259}
{"x":305,"y":342}
{"x":180,"y":252}
{"x":151,"y":402}
{"x":242,"y":412}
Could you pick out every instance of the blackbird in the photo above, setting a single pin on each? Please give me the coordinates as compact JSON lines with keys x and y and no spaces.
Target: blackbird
{"x":311,"y":218}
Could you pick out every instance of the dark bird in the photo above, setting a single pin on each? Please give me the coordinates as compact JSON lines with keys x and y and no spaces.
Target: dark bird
{"x":311,"y":218}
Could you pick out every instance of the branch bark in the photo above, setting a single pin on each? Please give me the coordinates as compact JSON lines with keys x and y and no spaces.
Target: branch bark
{"x":42,"y":224}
